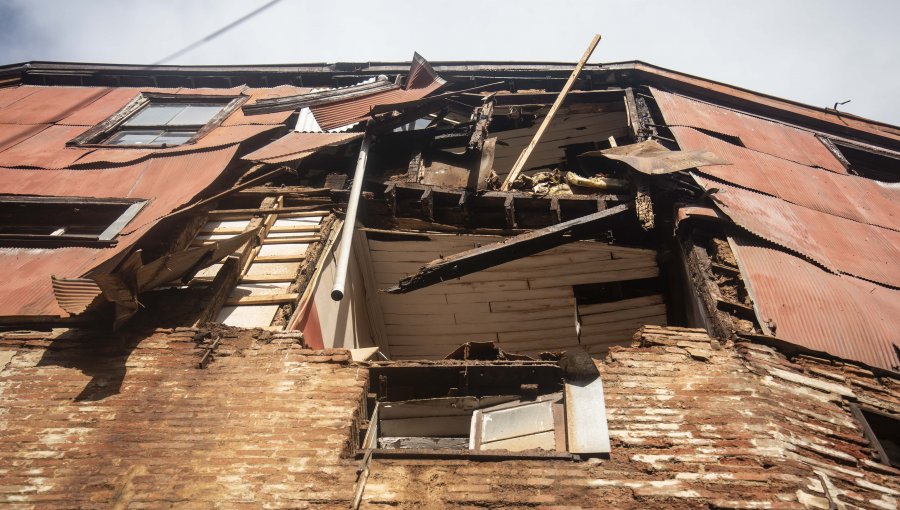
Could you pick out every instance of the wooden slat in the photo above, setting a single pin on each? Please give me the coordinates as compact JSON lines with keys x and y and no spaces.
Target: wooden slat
{"x":424,"y":319}
{"x":565,"y":330}
{"x":623,"y":304}
{"x":534,"y":315}
{"x":531,"y":304}
{"x":453,"y":340}
{"x":415,"y":307}
{"x":268,"y":278}
{"x":292,"y":240}
{"x":583,"y":279}
{"x":292,"y":229}
{"x":432,"y":329}
{"x":279,"y":258}
{"x":267,"y":299}
{"x":517,"y":295}
{"x":620,"y":315}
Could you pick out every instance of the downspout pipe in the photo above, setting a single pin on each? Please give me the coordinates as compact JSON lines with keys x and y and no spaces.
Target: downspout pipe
{"x":349,"y":227}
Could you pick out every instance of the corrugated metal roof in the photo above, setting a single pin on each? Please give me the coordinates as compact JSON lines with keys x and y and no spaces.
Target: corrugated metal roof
{"x":421,"y":81}
{"x":848,"y":196}
{"x":75,"y":295}
{"x":27,"y":289}
{"x":295,"y":143}
{"x":756,"y":133}
{"x":828,"y":287}
{"x":838,"y":244}
{"x":841,"y":315}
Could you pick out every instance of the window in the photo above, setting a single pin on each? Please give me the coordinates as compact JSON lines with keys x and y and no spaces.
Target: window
{"x":160,"y":120}
{"x":62,"y":221}
{"x":866,"y":161}
{"x":520,"y":410}
{"x":883,"y":432}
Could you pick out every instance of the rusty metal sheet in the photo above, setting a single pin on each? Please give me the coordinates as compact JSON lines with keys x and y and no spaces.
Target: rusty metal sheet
{"x":421,"y":81}
{"x":11,"y":134}
{"x":651,"y":158}
{"x":75,"y":295}
{"x":842,"y":315}
{"x":9,"y":95}
{"x":295,"y":143}
{"x":27,"y":288}
{"x":848,"y":196}
{"x":50,"y":104}
{"x":45,"y":149}
{"x":837,"y":244}
{"x":756,"y":133}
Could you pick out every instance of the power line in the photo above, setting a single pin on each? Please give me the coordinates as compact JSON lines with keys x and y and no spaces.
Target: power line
{"x":217,"y":33}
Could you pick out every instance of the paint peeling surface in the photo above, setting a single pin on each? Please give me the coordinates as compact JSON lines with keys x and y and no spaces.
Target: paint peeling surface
{"x":829,"y":282}
{"x":844,"y":316}
{"x":36,"y":122}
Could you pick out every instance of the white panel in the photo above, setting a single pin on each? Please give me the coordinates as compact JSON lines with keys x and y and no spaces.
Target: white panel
{"x":283,"y":249}
{"x":586,"y":426}
{"x":259,"y":289}
{"x":227,"y":224}
{"x":540,"y":441}
{"x":297,"y":222}
{"x":273,"y":268}
{"x":247,"y":316}
{"x":516,"y":421}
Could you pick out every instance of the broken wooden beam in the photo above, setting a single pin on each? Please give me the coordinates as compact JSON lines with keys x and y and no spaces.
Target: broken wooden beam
{"x":523,"y":245}
{"x":265,"y":299}
{"x":523,"y":157}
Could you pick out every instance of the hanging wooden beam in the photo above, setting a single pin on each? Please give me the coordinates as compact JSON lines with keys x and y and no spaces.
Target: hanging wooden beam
{"x":523,"y":157}
{"x":513,"y":248}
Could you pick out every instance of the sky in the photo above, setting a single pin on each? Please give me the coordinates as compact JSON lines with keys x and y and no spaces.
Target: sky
{"x":814,"y":51}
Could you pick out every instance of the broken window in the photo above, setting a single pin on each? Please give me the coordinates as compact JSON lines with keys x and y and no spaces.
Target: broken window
{"x":865,"y":161}
{"x":63,"y":220}
{"x":883,"y":432}
{"x":520,"y":409}
{"x":160,"y":120}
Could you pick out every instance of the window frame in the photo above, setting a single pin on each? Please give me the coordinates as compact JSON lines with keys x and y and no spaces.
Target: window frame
{"x":106,"y":238}
{"x":834,"y":145}
{"x":858,"y":412}
{"x":537,"y":381}
{"x":98,"y":135}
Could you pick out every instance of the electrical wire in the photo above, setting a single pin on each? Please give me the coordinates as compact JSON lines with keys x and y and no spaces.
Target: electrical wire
{"x":217,"y":33}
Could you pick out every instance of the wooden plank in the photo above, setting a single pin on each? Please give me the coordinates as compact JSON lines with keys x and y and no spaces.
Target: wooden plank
{"x":292,"y":240}
{"x":235,"y":230}
{"x":510,"y":272}
{"x":278,"y":258}
{"x":492,"y":317}
{"x":622,"y":304}
{"x":275,"y":278}
{"x":452,"y":340}
{"x":436,"y":319}
{"x":267,"y":299}
{"x":294,"y":212}
{"x":520,"y":295}
{"x":389,"y":301}
{"x":414,"y":307}
{"x":531,"y":304}
{"x":474,"y":287}
{"x":540,"y":344}
{"x":605,"y":277}
{"x":523,"y":158}
{"x":600,"y":333}
{"x":566,"y":331}
{"x":513,"y":248}
{"x":620,"y":315}
{"x":464,"y":329}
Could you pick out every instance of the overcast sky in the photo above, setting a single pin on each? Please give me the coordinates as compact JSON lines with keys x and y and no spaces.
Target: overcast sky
{"x":816,"y":51}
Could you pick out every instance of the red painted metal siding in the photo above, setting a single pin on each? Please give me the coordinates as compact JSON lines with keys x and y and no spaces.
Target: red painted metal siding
{"x":841,"y":315}
{"x":36,"y":123}
{"x":830,"y":283}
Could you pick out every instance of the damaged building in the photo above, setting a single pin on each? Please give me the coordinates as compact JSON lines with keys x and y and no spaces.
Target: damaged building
{"x":442,"y":285}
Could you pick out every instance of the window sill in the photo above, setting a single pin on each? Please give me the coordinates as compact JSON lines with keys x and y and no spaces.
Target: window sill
{"x":484,"y":455}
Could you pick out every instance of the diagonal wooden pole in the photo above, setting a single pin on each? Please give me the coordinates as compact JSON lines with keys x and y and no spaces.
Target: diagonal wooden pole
{"x":523,"y":157}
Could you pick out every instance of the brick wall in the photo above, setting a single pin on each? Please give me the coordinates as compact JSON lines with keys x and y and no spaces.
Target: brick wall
{"x":267,"y":424}
{"x":264,"y":425}
{"x":693,"y":425}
